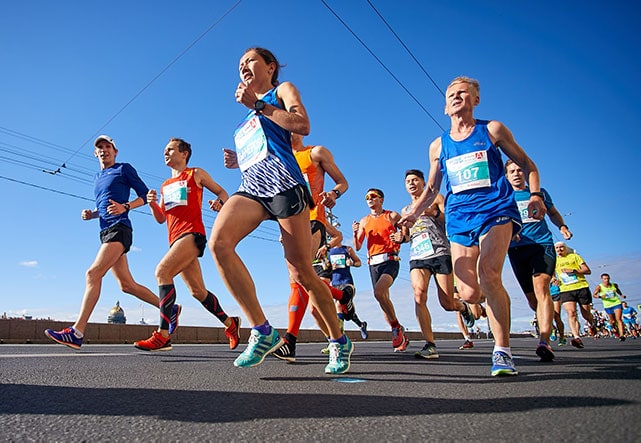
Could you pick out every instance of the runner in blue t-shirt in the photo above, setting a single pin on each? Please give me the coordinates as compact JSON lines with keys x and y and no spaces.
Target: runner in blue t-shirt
{"x":112,"y":186}
{"x":533,"y":258}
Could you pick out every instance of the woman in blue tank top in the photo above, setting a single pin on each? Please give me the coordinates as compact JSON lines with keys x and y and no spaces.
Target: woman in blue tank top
{"x":273,"y":187}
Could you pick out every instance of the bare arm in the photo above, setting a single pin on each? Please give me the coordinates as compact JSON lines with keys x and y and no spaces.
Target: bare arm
{"x":324,"y":158}
{"x":359,"y":233}
{"x":156,"y":209}
{"x":204,"y":180}
{"x":431,"y":187}
{"x":502,"y":137}
{"x":356,"y":261}
{"x":557,"y":219}
{"x":292,"y":118}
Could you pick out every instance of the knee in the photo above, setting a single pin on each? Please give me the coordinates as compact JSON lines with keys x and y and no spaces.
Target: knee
{"x":162,"y":275}
{"x":128,"y":287}
{"x":471,"y":295}
{"x":420,"y":297}
{"x":219,"y":246}
{"x":94,"y":274}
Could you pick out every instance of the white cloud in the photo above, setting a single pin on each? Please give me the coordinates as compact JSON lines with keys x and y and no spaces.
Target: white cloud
{"x":29,"y":263}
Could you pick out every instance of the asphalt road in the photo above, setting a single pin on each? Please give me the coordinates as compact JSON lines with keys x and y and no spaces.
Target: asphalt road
{"x":193,"y":393}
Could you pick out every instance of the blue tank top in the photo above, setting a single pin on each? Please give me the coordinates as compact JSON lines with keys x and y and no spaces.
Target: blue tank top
{"x":476,"y":188}
{"x":341,"y":273}
{"x":534,"y":231}
{"x":279,"y":171}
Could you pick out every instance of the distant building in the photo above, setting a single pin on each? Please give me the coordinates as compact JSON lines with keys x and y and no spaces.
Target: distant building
{"x":117,"y":315}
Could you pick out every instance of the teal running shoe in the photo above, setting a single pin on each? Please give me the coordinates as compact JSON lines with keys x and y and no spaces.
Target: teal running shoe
{"x":258,"y":347}
{"x":339,"y":357}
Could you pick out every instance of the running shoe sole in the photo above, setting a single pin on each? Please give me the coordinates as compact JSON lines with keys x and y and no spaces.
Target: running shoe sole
{"x":545,"y":354}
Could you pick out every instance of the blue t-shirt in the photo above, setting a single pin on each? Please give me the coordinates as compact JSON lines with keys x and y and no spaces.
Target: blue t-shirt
{"x":533,"y":231}
{"x":476,"y":188}
{"x":116,"y":183}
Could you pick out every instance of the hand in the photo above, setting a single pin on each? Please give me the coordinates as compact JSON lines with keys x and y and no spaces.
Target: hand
{"x":215,"y":205}
{"x":565,"y":232}
{"x":536,"y":208}
{"x":86,"y":214}
{"x":407,"y":220}
{"x":245,"y":95}
{"x":116,"y":208}
{"x":356,"y":226}
{"x":230,"y":159}
{"x":397,"y":237}
{"x":328,"y":199}
{"x":152,"y":196}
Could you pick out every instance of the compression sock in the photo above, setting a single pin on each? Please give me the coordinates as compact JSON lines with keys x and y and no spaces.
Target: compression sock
{"x":212,"y":305}
{"x":298,"y":300}
{"x":337,"y":294}
{"x":167,"y":295}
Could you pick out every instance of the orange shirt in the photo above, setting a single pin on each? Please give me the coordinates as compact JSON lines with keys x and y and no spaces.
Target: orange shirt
{"x":315,"y":179}
{"x":182,"y":201}
{"x":377,"y":232}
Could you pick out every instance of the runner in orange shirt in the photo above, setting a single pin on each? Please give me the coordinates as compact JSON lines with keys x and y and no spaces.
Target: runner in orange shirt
{"x":383,"y":245}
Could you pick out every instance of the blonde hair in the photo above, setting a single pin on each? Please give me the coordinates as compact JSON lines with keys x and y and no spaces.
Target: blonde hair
{"x":470,"y":81}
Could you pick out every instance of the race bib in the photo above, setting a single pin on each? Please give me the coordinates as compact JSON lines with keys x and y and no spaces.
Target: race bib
{"x":251,"y":143}
{"x":568,"y":279}
{"x":378,"y":258}
{"x":338,"y":261}
{"x":175,"y":194}
{"x":421,"y":247}
{"x":522,"y":204}
{"x":468,"y":171}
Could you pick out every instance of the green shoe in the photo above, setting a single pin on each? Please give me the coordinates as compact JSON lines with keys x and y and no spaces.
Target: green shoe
{"x":339,"y":357}
{"x":258,"y":347}
{"x":428,"y":351}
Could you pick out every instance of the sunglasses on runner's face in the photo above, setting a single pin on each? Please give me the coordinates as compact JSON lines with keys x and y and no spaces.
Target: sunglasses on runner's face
{"x":371,"y":195}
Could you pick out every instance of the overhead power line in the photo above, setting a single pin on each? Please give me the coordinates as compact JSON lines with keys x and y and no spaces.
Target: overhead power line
{"x":156,"y":77}
{"x":383,"y":65}
{"x":406,"y":48}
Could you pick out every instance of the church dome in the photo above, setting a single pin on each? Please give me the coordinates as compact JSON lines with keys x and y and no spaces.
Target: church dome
{"x":117,"y":315}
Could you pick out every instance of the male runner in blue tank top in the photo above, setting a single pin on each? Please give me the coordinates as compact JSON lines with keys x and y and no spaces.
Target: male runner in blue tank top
{"x":480,"y":211}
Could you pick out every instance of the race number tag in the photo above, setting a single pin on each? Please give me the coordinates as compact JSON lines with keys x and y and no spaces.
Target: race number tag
{"x":175,"y":194}
{"x":378,"y":259}
{"x":251,"y":143}
{"x":339,"y":261}
{"x":421,"y":247}
{"x":468,"y":171}
{"x":568,"y":279}
{"x":525,"y":218}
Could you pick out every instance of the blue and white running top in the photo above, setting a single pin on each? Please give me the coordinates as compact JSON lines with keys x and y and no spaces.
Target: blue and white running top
{"x":264,"y":150}
{"x":476,"y":188}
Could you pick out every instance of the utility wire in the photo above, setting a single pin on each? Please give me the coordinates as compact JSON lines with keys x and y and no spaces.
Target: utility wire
{"x":139,"y":93}
{"x":383,"y":65}
{"x":406,"y":48}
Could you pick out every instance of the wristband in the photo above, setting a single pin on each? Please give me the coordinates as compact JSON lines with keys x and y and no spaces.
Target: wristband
{"x":337,"y":192}
{"x":127,"y":207}
{"x":537,"y":194}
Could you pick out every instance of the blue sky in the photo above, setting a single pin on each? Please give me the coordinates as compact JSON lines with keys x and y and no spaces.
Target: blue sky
{"x":563,"y":76}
